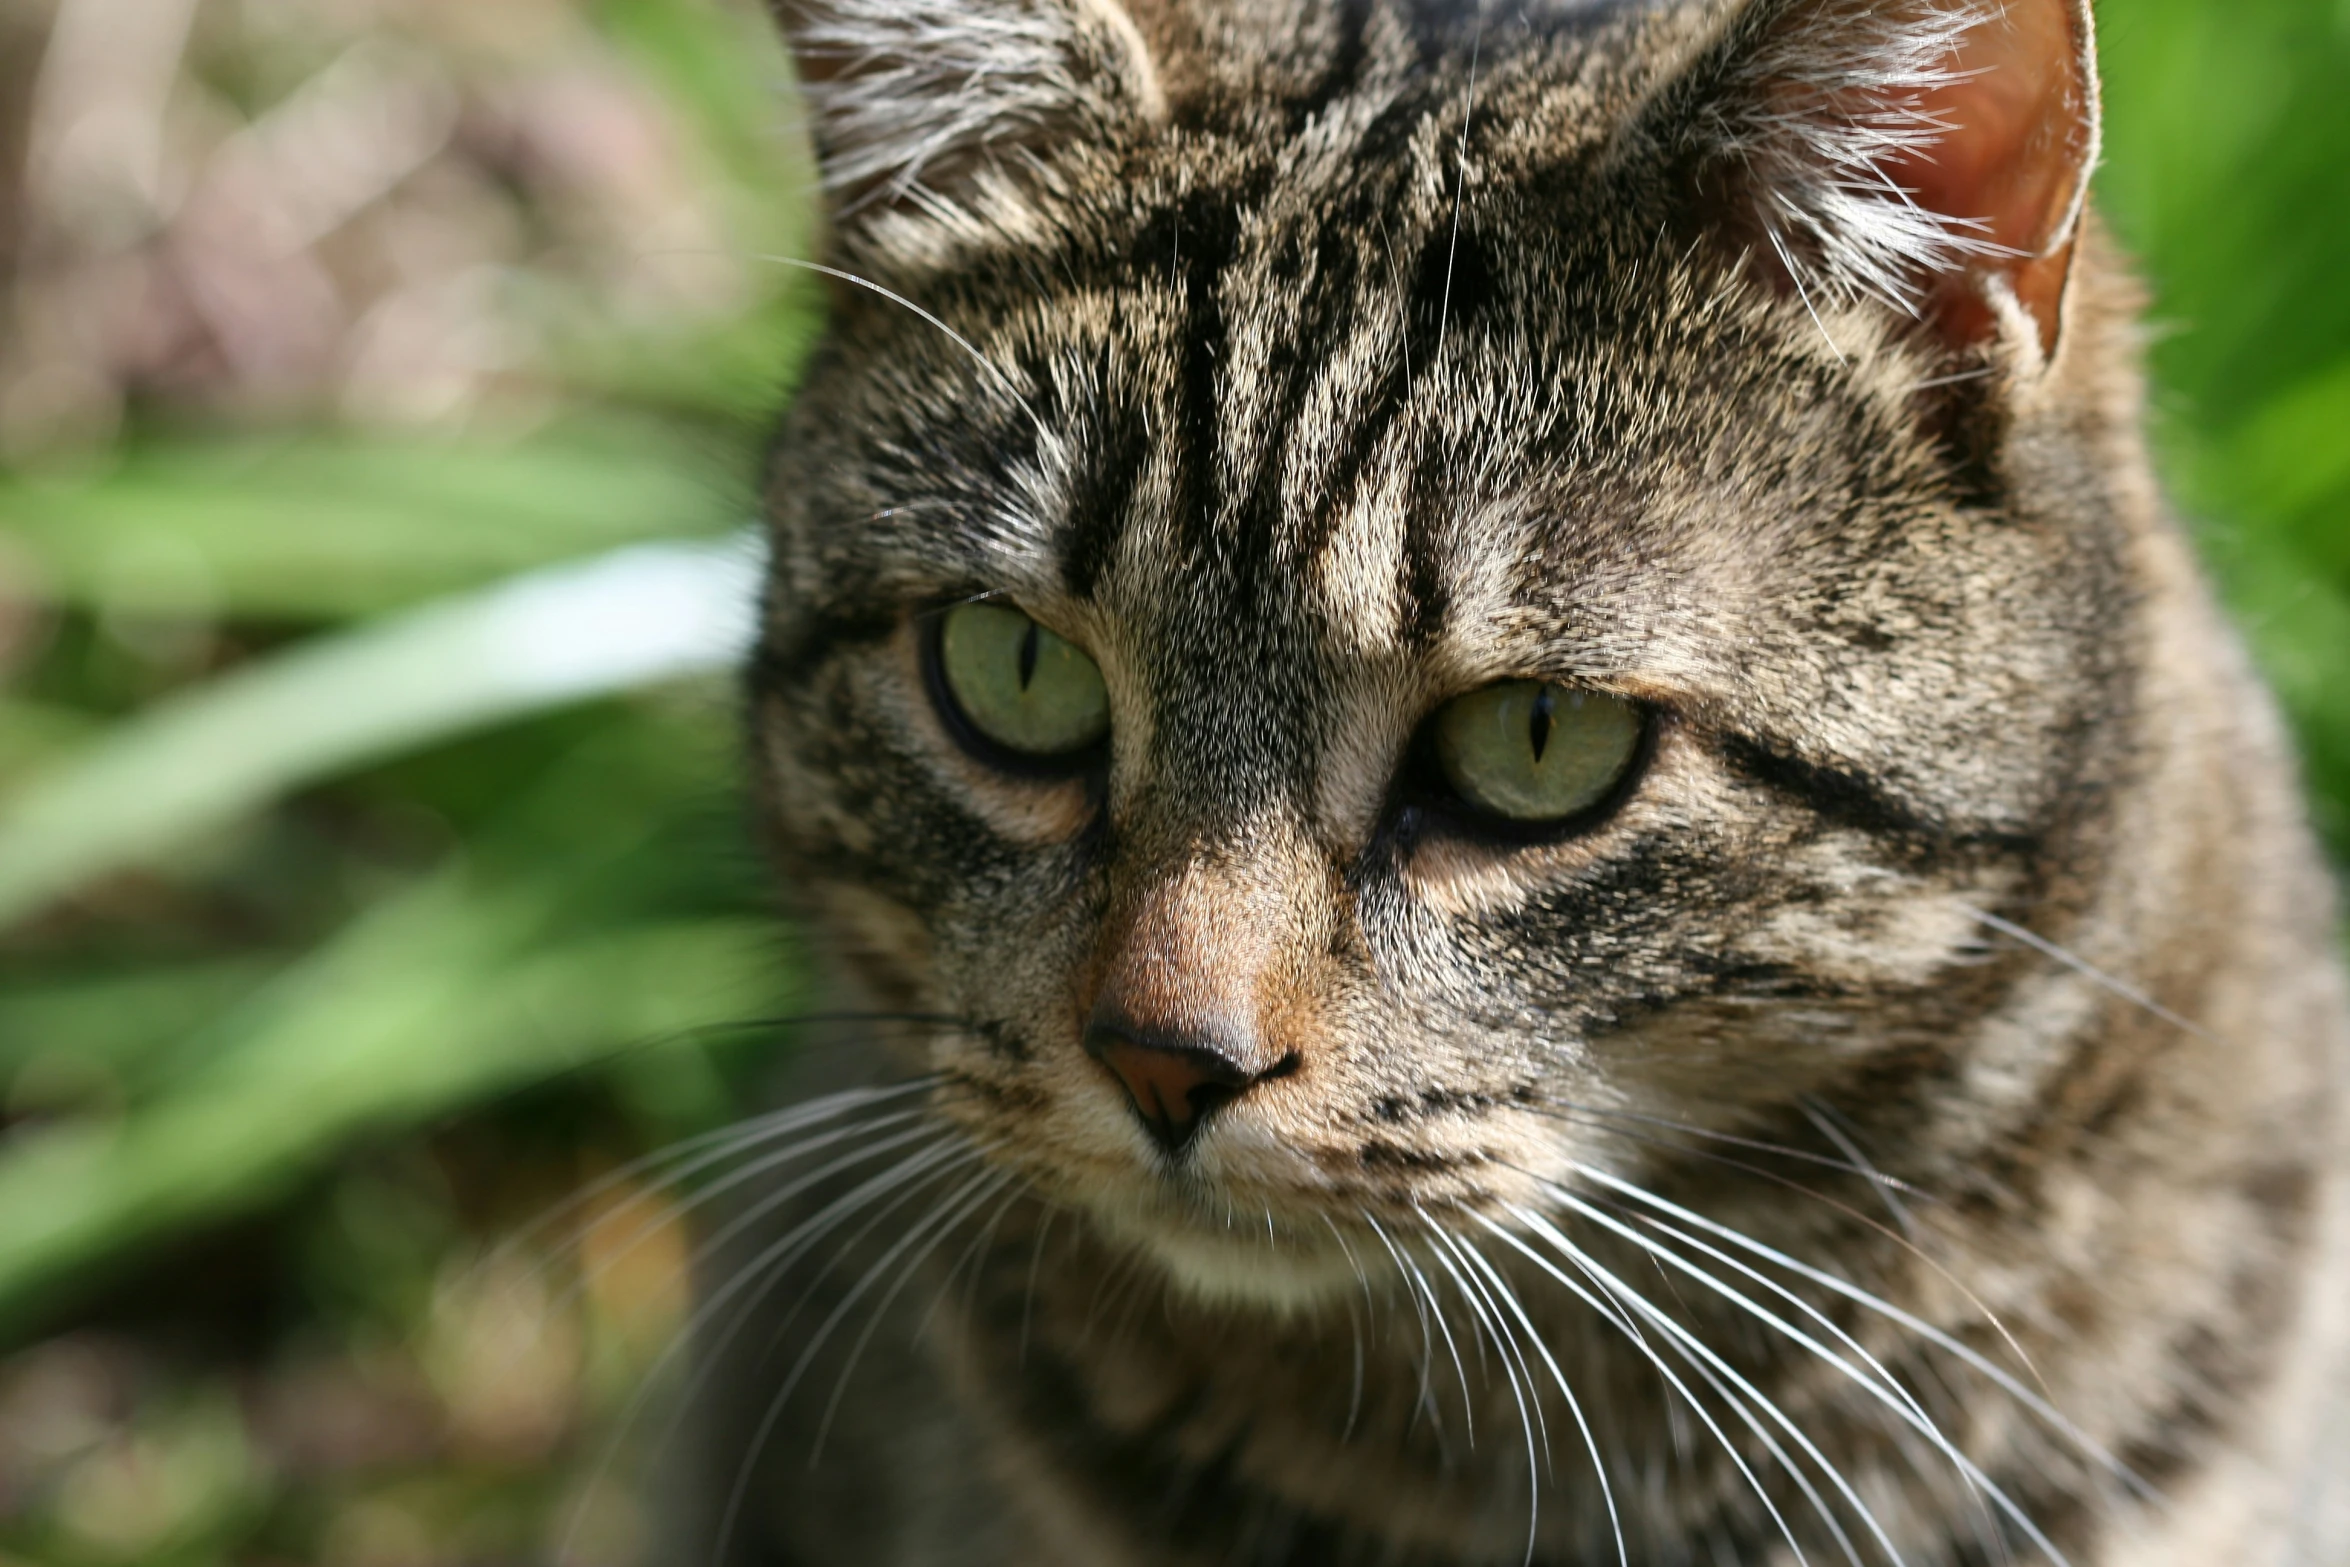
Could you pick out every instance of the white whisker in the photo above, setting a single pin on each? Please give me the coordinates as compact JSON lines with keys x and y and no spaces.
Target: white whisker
{"x":2089,"y":971}
{"x":1413,"y":1286}
{"x":1745,"y":1402}
{"x":750,"y":1284}
{"x":995,"y":371}
{"x":692,"y":1155}
{"x":1354,"y":1401}
{"x":770,"y":1202}
{"x":757,"y":1271}
{"x":1490,"y":1315}
{"x":1884,"y":1376}
{"x":1607,"y":1490}
{"x":970,"y":1257}
{"x":1035,"y":1266}
{"x":775,"y":1407}
{"x":1604,"y":1119}
{"x":987,"y":1184}
{"x":1451,"y":1346}
{"x":1622,"y":1321}
{"x":1926,"y":1330}
{"x":1460,"y":190}
{"x":1917,"y":1418}
{"x":1487,"y":1322}
{"x":1903,"y":1405}
{"x":763,"y":1166}
{"x":1824,"y":1119}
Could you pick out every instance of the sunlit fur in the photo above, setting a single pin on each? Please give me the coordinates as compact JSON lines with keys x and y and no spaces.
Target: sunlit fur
{"x":1905,"y":1129}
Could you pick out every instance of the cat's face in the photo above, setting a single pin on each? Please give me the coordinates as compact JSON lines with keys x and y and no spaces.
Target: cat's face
{"x":1356,"y":503}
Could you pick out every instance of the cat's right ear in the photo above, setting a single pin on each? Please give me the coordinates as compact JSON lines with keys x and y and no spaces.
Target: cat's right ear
{"x":921,"y":102}
{"x":1930,"y":155}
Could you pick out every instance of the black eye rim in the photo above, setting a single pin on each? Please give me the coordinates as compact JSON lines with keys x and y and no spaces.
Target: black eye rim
{"x":930,"y":627}
{"x":1426,"y":800}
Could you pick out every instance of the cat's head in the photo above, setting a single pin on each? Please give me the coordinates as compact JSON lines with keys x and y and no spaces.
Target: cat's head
{"x":1379,"y":597}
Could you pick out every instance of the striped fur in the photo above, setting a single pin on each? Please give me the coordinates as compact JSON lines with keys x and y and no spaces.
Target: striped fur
{"x":1906,"y":1126}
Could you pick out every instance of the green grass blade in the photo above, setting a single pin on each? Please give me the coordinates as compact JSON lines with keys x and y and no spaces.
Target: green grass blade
{"x":638,"y":616}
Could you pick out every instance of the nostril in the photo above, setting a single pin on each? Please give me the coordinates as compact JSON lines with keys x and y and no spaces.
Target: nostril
{"x":1174,"y":1084}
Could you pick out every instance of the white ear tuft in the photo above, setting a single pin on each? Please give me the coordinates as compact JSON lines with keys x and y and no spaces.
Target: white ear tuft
{"x":910,"y":96}
{"x":1923,"y":153}
{"x":1827,"y":113}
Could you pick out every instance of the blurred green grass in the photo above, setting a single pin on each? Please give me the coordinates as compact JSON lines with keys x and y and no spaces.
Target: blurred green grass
{"x":394,"y":943}
{"x":519,"y":926}
{"x":532,"y":928}
{"x":2227,"y":173}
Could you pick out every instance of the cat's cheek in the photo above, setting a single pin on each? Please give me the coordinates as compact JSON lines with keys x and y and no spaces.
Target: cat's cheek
{"x":884,"y":944}
{"x":1884,"y":928}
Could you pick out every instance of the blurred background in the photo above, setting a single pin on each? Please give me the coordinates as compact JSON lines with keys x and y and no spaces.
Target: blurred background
{"x":381,"y":383}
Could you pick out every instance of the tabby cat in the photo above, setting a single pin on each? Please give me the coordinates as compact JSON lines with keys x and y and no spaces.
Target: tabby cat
{"x":1553,"y":857}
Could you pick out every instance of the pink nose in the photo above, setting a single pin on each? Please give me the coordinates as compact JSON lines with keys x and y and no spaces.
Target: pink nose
{"x":1174,"y":1086}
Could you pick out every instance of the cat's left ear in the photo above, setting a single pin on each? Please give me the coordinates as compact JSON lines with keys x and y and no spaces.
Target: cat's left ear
{"x":915,"y":100}
{"x":1931,"y":154}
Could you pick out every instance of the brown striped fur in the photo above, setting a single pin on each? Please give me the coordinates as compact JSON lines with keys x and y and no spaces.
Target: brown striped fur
{"x":1310,"y":362}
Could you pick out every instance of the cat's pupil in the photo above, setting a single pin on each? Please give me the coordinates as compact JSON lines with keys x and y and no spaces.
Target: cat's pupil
{"x":1028,"y":656}
{"x":1540,"y":729}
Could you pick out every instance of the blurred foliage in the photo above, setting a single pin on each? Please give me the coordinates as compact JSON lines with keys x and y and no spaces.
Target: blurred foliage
{"x":327,"y":320}
{"x":334,"y":332}
{"x":2227,"y":173}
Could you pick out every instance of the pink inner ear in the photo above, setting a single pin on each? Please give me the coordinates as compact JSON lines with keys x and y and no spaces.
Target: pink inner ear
{"x":2023,"y":131}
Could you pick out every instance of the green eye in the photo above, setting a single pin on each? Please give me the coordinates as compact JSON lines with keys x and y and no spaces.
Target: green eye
{"x":1019,"y":685}
{"x":1532,"y":751}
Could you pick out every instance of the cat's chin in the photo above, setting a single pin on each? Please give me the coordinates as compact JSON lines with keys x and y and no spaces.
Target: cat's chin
{"x":1237,"y":1270}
